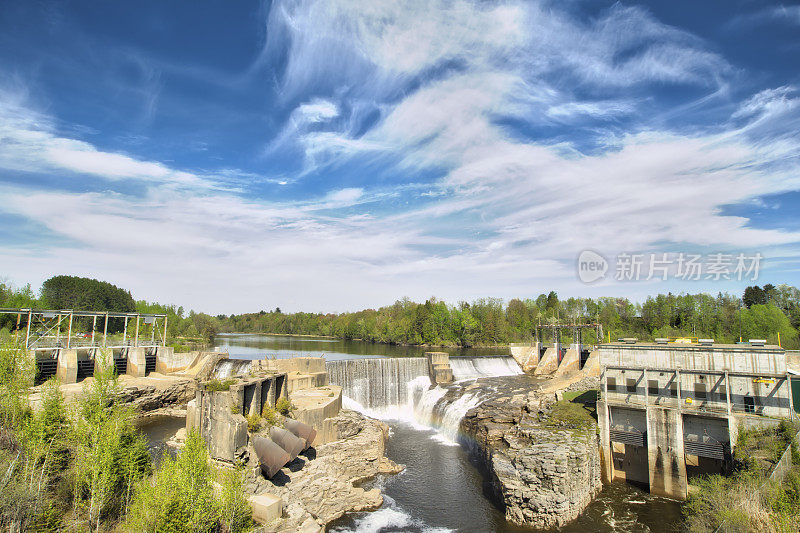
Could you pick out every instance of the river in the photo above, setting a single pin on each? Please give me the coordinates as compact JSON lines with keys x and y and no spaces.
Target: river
{"x":440,"y":490}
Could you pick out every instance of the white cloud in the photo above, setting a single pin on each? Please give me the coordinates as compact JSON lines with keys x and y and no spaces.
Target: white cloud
{"x":317,"y":110}
{"x":29,"y":142}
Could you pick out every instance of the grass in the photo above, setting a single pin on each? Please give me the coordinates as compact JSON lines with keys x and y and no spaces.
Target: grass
{"x":570,"y":415}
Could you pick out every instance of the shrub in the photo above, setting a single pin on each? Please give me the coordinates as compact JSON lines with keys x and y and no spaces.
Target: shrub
{"x":269,"y":415}
{"x":216,"y":385}
{"x":284,"y":406}
{"x":254,"y":423}
{"x":180,"y":496}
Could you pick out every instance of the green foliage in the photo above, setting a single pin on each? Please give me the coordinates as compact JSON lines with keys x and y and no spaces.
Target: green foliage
{"x":254,"y":423}
{"x":235,"y":512}
{"x":269,"y":415}
{"x":284,"y":406}
{"x":110,"y":456}
{"x":180,"y":497}
{"x":17,"y":369}
{"x":215,"y":384}
{"x":747,"y":501}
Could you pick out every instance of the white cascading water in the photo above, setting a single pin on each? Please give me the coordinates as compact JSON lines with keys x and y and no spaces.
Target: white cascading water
{"x":399,"y":389}
{"x":483,"y":367}
{"x":231,"y":367}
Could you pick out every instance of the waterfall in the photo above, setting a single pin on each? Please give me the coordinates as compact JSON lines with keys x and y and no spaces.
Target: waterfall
{"x":483,"y":367}
{"x":231,"y":367}
{"x":399,"y":389}
{"x":377,"y":383}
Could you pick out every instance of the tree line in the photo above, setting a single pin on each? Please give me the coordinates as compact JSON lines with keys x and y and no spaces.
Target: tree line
{"x":767,"y":312}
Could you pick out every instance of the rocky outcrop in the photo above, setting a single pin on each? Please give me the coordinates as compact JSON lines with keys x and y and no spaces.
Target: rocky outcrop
{"x":541,"y":462}
{"x":148,"y":394}
{"x":322,"y":485}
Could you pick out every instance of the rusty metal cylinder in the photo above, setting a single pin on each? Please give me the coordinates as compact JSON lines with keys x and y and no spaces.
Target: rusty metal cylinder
{"x":271,"y":457}
{"x":287,"y":441}
{"x":301,"y":430}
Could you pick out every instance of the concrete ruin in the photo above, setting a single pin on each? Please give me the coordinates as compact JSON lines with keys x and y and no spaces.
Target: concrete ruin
{"x":439,"y":370}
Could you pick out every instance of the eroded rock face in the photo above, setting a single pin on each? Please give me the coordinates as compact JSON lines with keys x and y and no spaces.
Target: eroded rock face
{"x":542,"y":471}
{"x":321,"y":485}
{"x":157,"y":394}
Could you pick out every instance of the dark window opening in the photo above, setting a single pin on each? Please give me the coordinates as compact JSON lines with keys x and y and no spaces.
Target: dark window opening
{"x":612,"y":384}
{"x":749,"y":404}
{"x":652,"y":386}
{"x":631,"y":384}
{"x":673,"y":390}
{"x":700,"y":391}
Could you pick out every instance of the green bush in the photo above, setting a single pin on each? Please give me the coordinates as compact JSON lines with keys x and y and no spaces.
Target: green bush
{"x":269,"y":415}
{"x":254,"y":423}
{"x":216,"y":385}
{"x":180,"y":497}
{"x":284,"y":406}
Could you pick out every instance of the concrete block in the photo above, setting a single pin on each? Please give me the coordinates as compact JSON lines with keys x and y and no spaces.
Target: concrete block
{"x":666,"y":458}
{"x":67,"y":371}
{"x":136,"y":362}
{"x":571,"y":361}
{"x":266,"y":507}
{"x":315,"y":406}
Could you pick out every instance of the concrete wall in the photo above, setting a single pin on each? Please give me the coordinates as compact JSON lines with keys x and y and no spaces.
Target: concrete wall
{"x":733,"y":358}
{"x":304,"y":365}
{"x":526,"y":355}
{"x":67,"y":365}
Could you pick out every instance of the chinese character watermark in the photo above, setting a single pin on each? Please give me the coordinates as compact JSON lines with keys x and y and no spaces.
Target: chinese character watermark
{"x":663,"y":266}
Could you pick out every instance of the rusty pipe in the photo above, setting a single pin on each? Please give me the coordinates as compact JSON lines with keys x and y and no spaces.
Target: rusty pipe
{"x":287,"y":441}
{"x":301,"y":430}
{"x":271,"y":457}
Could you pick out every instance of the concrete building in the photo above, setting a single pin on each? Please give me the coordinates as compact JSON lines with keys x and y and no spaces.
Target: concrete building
{"x":670,"y":410}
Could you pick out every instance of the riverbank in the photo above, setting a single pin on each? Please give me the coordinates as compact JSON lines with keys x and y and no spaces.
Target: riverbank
{"x":400,"y":344}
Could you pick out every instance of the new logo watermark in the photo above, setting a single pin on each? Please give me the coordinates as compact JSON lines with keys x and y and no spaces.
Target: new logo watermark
{"x":591,"y":266}
{"x":663,"y":266}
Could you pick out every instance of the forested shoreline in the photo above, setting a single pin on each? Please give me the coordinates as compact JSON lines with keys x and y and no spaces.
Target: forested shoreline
{"x":769,"y":312}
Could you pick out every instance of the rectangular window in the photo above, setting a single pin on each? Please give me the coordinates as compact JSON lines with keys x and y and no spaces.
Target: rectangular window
{"x":652,"y":387}
{"x":631,"y":384}
{"x":612,"y":384}
{"x":722,"y":390}
{"x":673,"y":390}
{"x":700,"y":391}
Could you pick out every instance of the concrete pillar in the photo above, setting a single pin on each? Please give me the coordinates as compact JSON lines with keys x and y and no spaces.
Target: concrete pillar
{"x":548,"y":363}
{"x":571,"y":361}
{"x":665,"y":454}
{"x":606,"y":458}
{"x":136,"y":362}
{"x":165,"y":356}
{"x":67,"y":371}
{"x":439,"y":369}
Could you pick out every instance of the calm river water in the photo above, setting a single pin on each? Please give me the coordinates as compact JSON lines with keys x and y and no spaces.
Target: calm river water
{"x":440,"y":490}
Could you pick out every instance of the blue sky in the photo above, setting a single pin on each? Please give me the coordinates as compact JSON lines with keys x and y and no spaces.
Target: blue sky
{"x":334,"y":155}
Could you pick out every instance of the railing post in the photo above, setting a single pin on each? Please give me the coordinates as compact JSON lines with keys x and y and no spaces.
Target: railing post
{"x":105,"y":332}
{"x":136,"y":341}
{"x":28,"y":329}
{"x":69,"y":330}
{"x":728,"y":391}
{"x":125,"y":333}
{"x":94,"y":327}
